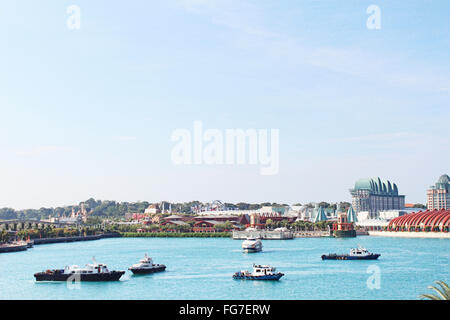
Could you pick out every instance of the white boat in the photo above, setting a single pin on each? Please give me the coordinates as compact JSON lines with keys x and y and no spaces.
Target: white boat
{"x":359,"y":253}
{"x":146,"y":265}
{"x":260,"y":272}
{"x":92,"y":272}
{"x":252,"y":245}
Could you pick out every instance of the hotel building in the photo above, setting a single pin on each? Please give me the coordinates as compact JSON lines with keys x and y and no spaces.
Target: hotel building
{"x":438,"y":196}
{"x":373,"y":195}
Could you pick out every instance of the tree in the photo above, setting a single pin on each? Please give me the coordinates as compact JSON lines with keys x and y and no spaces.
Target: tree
{"x":324,"y":204}
{"x":442,"y":293}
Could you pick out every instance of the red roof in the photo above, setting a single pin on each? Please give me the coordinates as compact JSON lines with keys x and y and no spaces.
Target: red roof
{"x":422,"y":219}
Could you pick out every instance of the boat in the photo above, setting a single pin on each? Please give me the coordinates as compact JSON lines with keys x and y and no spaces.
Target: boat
{"x":252,"y":245}
{"x":260,"y":272}
{"x":146,"y":266}
{"x":92,"y":272}
{"x":359,"y":253}
{"x":13,"y":246}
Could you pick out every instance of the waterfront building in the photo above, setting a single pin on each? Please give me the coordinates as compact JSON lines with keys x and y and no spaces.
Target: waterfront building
{"x":373,"y":195}
{"x":438,"y":196}
{"x":343,"y":228}
{"x":373,"y":224}
{"x":424,"y":221}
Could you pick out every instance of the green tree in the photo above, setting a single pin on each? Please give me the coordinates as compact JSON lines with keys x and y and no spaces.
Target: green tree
{"x":442,"y":293}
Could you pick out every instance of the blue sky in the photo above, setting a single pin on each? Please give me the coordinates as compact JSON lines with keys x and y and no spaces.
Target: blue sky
{"x":89,"y":113}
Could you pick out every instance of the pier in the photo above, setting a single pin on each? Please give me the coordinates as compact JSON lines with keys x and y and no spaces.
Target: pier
{"x":263,"y":234}
{"x":311,"y":234}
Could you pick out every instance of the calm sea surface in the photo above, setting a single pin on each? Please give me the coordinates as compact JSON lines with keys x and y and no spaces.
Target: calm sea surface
{"x":202,"y":268}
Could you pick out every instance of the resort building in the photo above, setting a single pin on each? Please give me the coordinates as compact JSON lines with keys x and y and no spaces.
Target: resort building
{"x":424,"y":221}
{"x":438,"y":196}
{"x":373,"y":195}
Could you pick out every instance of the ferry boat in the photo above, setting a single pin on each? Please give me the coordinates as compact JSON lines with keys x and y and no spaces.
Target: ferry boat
{"x":92,"y":272}
{"x":252,"y":245}
{"x":259,"y":272}
{"x":359,"y":253}
{"x":146,"y":266}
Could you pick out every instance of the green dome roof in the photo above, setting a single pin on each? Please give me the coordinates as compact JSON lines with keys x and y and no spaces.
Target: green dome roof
{"x":444,"y":179}
{"x":377,"y":186}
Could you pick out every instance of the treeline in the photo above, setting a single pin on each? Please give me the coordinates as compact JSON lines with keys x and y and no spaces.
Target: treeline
{"x":113,"y":209}
{"x":177,"y":234}
{"x":50,"y":232}
{"x":108,"y":208}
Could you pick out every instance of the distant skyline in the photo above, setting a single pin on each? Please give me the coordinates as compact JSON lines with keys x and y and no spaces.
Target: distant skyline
{"x":90,"y":112}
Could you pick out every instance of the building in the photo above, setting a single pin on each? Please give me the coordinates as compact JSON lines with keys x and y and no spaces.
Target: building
{"x":153,"y":209}
{"x":319,"y":214}
{"x":373,"y":195}
{"x":343,"y":228}
{"x":422,"y":221}
{"x":438,"y":196}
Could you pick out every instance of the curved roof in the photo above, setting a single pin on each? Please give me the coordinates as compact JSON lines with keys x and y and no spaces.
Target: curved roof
{"x":320,"y":215}
{"x":351,"y":215}
{"x":376,"y":185}
{"x":444,"y":179}
{"x":422,"y":219}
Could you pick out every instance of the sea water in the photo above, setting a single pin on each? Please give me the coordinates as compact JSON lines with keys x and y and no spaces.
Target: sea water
{"x":202,"y":268}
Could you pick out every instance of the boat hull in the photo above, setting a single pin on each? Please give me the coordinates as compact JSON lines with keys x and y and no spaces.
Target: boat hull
{"x":347,"y":257}
{"x":252,"y":250}
{"x":262,"y":277}
{"x":60,"y":276}
{"x":147,"y":270}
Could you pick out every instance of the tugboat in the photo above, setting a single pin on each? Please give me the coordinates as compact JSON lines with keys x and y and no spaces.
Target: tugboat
{"x":146,"y":266}
{"x":252,"y":245}
{"x":92,"y":272}
{"x":355,"y":254}
{"x":260,"y":272}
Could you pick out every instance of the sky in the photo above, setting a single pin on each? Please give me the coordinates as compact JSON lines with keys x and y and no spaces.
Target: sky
{"x":89,"y":112}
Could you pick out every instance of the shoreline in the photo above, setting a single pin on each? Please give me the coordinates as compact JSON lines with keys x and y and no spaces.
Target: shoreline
{"x":176,"y":234}
{"x":40,"y":241}
{"x":407,"y":234}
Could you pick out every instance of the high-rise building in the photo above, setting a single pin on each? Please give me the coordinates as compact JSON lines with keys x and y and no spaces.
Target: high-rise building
{"x":373,"y":195}
{"x":438,"y":196}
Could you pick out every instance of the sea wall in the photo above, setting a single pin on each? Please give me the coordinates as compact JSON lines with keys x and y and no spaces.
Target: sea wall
{"x":444,"y":235}
{"x":72,"y":239}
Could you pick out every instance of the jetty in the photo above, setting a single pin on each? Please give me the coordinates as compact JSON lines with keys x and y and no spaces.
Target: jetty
{"x":263,"y":234}
{"x":311,"y":234}
{"x":13,"y":247}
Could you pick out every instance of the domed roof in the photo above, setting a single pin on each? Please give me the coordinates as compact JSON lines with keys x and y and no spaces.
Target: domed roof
{"x":444,"y":179}
{"x":376,"y":186}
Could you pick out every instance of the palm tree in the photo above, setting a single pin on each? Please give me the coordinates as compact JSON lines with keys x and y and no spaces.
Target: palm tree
{"x":443,"y":293}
